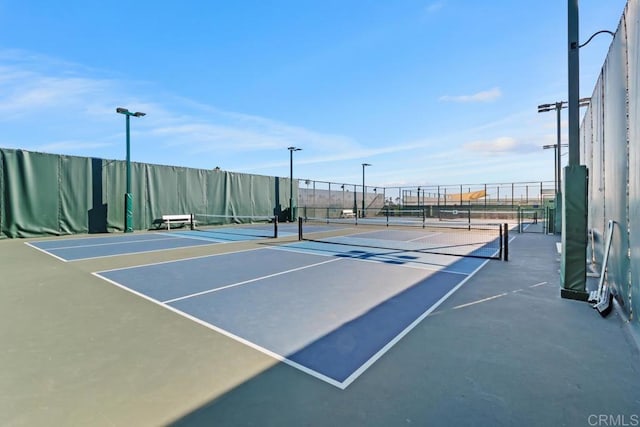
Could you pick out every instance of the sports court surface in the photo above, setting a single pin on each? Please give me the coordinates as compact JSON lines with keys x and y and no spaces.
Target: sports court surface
{"x":329,"y":308}
{"x":351,"y":326}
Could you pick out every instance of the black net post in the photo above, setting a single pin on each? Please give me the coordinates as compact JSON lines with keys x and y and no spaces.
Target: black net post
{"x":505,"y":239}
{"x":520,"y":219}
{"x":275,"y":227}
{"x":300,"y":228}
{"x":501,"y":241}
{"x":192,"y":224}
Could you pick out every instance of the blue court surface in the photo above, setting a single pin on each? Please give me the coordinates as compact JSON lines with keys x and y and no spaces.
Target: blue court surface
{"x":96,"y":247}
{"x":331,"y":314}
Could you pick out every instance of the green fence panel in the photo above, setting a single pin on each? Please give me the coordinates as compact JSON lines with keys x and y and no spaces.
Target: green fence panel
{"x":2,"y":197}
{"x":238,"y":195}
{"x":114,"y":187}
{"x":162,"y":192}
{"x":216,"y":183}
{"x":263,"y":192}
{"x":615,"y":163}
{"x":597,"y":223}
{"x":76,"y":189}
{"x":632,"y":18}
{"x":192,"y":190}
{"x":97,"y":214}
{"x":142,"y":218}
{"x":31,"y":193}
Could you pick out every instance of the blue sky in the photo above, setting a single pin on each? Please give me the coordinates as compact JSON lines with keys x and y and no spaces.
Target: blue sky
{"x":428,"y":92}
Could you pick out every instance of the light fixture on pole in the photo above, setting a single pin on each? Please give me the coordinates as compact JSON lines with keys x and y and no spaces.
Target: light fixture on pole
{"x":128,"y":197}
{"x":291,"y":150}
{"x":364,"y":165}
{"x":558,"y":106}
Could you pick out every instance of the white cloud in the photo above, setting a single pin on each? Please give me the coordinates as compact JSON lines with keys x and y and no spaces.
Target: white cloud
{"x":434,"y":7}
{"x":502,"y":145}
{"x":484,"y":96}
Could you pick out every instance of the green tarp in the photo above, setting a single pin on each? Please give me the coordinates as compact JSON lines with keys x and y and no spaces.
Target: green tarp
{"x":51,"y":194}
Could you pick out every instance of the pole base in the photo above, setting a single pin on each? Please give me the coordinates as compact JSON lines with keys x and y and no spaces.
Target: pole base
{"x":128,"y":213}
{"x":574,"y":295}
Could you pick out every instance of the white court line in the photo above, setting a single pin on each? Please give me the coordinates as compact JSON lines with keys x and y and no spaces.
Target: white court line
{"x":104,"y":244}
{"x":213,"y":242}
{"x":425,"y":236}
{"x":207,"y":239}
{"x":46,"y":252}
{"x":480,"y":300}
{"x":233,"y":285}
{"x":249,"y":344}
{"x":408,"y":329}
{"x":178,"y":260}
{"x":146,"y":252}
{"x":341,"y":385}
{"x":538,"y":284}
{"x":496,"y":296}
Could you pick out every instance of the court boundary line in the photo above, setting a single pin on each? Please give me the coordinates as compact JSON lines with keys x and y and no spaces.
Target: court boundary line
{"x":104,"y":244}
{"x":131,"y":253}
{"x":182,"y":236}
{"x":491,"y":298}
{"x":228,"y":334}
{"x":177,"y":237}
{"x":177,"y":260}
{"x":366,"y":365}
{"x":143,"y":252}
{"x":244,"y":282}
{"x":340,"y":385}
{"x":45,"y":252}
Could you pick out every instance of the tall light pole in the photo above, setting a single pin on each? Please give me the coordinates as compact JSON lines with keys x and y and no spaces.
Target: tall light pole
{"x":364,"y":165}
{"x":291,"y":150}
{"x":574,"y":225}
{"x":128,"y":197}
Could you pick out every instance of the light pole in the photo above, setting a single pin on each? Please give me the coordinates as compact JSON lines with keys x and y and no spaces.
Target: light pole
{"x":364,"y":165}
{"x":128,"y":197}
{"x":556,"y":167}
{"x":291,"y":150}
{"x":573,"y":269}
{"x":558,"y":107}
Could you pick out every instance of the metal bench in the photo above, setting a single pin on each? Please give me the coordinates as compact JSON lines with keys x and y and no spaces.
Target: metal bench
{"x":347,"y":213}
{"x":176,"y":219}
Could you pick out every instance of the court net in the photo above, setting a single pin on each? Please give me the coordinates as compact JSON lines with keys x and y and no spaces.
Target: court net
{"x":245,"y":225}
{"x":410,"y":234}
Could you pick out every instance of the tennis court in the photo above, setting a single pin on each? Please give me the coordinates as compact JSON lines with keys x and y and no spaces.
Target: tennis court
{"x":329,"y":309}
{"x":96,"y":247}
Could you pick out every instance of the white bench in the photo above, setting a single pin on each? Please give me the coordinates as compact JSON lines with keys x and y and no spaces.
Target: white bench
{"x":347,"y":213}
{"x":176,"y":219}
